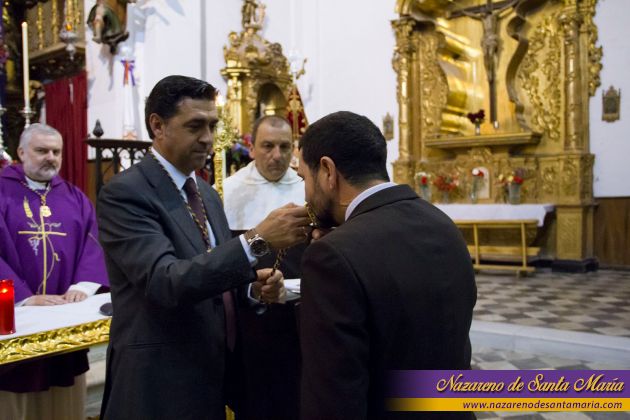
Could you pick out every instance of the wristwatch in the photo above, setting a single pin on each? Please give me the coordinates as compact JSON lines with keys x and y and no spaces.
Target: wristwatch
{"x":257,"y":244}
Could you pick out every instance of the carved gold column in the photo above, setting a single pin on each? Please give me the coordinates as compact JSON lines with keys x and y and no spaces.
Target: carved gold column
{"x":574,"y":211}
{"x":404,"y":55}
{"x":234,"y":99}
{"x":40,"y":26}
{"x":55,"y":21}
{"x":570,"y":21}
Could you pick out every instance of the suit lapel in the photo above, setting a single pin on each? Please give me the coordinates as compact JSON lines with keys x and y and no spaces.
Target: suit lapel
{"x":384,"y":197}
{"x":172,"y":201}
{"x":213,"y":211}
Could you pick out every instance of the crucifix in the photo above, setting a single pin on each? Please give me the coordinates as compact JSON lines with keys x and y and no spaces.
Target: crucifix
{"x":42,"y":235}
{"x":489,"y":16}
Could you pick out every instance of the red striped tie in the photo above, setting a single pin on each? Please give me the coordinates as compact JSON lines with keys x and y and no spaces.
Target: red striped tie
{"x":194,"y":200}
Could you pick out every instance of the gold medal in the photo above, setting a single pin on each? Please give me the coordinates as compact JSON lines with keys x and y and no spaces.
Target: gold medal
{"x":45,"y":211}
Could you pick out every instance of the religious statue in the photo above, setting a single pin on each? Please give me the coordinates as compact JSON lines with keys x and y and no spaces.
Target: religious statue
{"x":489,"y":16}
{"x":106,"y":25}
{"x":253,"y":14}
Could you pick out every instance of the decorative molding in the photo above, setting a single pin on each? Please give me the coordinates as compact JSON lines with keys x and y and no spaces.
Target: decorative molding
{"x":569,"y":239}
{"x":54,"y":341}
{"x":543,"y":63}
{"x":401,"y":63}
{"x":594,"y":52}
{"x":251,"y":62}
{"x":486,"y":140}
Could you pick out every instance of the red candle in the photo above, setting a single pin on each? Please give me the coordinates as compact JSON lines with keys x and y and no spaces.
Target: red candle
{"x":7,"y":307}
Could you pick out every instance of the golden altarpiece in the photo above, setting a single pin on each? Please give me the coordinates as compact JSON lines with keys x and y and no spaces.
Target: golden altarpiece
{"x":259,"y":82}
{"x":533,"y":64}
{"x":258,"y":77}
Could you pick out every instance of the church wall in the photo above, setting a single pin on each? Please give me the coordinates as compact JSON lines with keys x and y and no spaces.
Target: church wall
{"x":610,"y":142}
{"x":349,"y":48}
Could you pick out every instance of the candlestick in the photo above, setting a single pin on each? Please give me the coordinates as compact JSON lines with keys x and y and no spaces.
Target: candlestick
{"x":25,"y":67}
{"x":27,"y":113}
{"x":7,"y":307}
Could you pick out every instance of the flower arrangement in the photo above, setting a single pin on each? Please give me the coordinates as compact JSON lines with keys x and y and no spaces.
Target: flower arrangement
{"x":517,"y":176}
{"x":422,"y":179}
{"x":477,"y":173}
{"x":511,"y":185}
{"x":476,"y":117}
{"x":238,"y":155}
{"x":446,"y":182}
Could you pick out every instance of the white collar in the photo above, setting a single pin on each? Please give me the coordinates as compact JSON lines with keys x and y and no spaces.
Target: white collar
{"x":178,"y":177}
{"x":36,"y":185}
{"x":365,"y":194}
{"x":251,"y":175}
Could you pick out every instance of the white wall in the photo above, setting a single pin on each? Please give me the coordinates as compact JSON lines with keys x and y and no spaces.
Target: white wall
{"x":349,"y":47}
{"x":610,"y":142}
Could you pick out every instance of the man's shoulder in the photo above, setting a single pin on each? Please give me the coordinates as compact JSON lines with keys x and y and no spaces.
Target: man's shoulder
{"x":71,"y":189}
{"x":238,"y":177}
{"x":132,"y":176}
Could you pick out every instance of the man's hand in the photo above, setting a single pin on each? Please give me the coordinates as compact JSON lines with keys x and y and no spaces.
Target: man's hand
{"x":45,"y":300}
{"x":285,"y":227}
{"x":74,"y":296}
{"x":268,"y":288}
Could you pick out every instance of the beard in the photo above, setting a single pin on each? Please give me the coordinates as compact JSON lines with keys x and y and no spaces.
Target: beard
{"x":44,"y":173}
{"x":323,"y":208}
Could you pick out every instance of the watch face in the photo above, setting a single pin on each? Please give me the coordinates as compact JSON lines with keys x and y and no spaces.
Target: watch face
{"x":259,"y":247}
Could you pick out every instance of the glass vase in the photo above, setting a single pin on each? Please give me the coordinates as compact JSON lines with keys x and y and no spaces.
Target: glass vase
{"x":425,"y":192}
{"x":474,"y":190}
{"x":446,"y":197}
{"x":477,"y":129}
{"x":514,"y":193}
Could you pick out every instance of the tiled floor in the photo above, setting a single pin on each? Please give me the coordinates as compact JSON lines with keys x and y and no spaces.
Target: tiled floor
{"x":592,"y":302}
{"x":492,"y":359}
{"x":597,"y":303}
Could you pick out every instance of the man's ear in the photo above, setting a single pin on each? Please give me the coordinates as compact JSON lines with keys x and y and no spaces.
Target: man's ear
{"x":157,"y":125}
{"x":20,"y":152}
{"x":252,"y":151}
{"x":329,"y":171}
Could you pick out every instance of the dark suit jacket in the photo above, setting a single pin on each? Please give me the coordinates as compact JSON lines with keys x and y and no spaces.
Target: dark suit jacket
{"x":166,"y":357}
{"x":391,"y":288}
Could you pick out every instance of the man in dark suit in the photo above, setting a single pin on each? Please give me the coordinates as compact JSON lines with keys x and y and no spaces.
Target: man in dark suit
{"x":392,"y":287}
{"x":174,"y":268}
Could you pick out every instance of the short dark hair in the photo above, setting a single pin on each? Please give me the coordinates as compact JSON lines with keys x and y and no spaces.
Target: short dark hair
{"x":352,"y":141}
{"x":273,"y":120}
{"x":167,"y":94}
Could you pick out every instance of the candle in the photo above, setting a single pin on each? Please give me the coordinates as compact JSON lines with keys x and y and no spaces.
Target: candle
{"x":220,"y":103}
{"x":25,"y":68}
{"x":7,"y":307}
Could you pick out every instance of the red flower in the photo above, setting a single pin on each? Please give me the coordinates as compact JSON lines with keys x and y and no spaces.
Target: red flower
{"x":477,"y":172}
{"x":446,"y":182}
{"x":477,"y":117}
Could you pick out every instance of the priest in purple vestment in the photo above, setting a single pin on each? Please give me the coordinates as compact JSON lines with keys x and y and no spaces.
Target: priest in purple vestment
{"x":49,"y":248}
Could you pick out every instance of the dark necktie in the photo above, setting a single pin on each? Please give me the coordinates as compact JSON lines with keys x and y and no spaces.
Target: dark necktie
{"x":196,"y":205}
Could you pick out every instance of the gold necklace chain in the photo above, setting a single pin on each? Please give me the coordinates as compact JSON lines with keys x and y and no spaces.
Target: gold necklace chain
{"x":283,"y":252}
{"x":311,"y":215}
{"x":201,"y":226}
{"x":43,"y":208}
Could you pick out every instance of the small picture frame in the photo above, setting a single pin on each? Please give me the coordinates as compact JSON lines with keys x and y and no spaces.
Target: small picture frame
{"x":611,"y":104}
{"x":388,"y":127}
